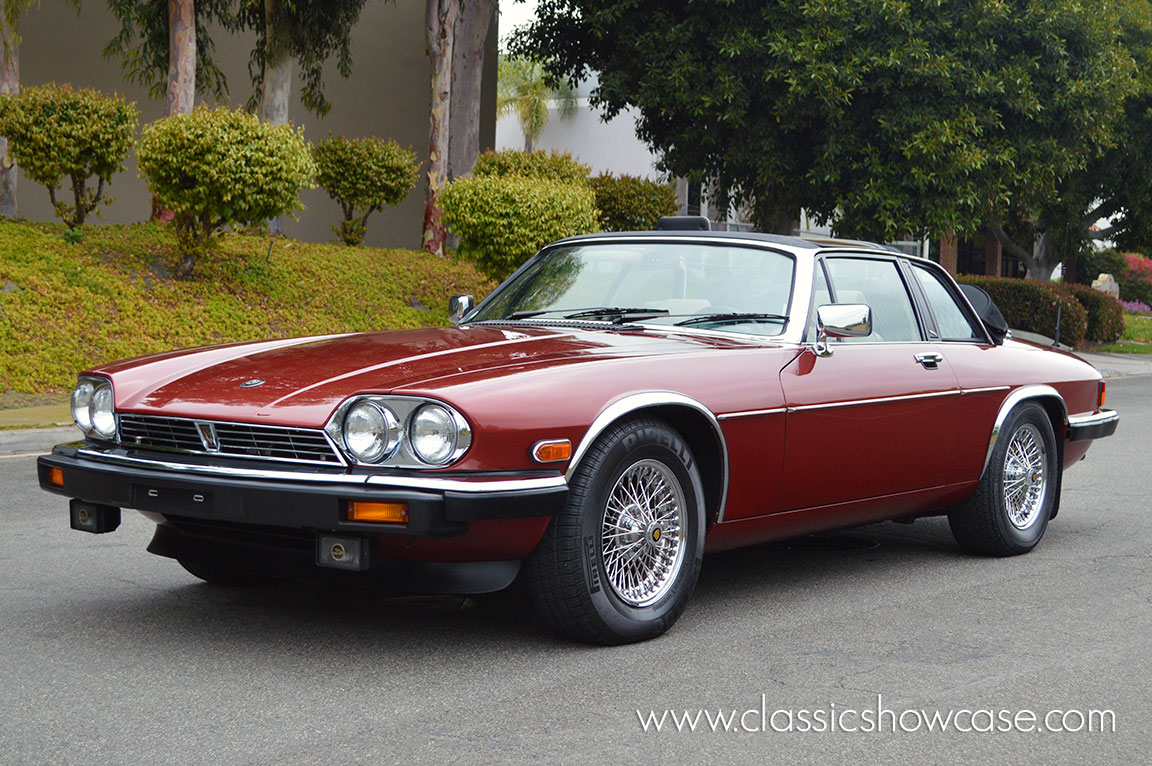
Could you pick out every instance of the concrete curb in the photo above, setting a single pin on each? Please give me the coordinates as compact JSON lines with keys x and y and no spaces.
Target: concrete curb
{"x":36,"y":439}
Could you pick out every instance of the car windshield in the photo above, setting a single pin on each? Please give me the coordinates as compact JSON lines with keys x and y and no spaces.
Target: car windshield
{"x":700,"y":285}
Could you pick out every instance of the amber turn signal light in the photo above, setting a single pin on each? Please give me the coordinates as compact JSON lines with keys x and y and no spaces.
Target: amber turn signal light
{"x":56,"y":477}
{"x":379,"y":513}
{"x":1103,"y":393}
{"x":552,"y":451}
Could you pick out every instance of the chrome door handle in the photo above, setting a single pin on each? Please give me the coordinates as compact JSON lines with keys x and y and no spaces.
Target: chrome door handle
{"x":930,"y":360}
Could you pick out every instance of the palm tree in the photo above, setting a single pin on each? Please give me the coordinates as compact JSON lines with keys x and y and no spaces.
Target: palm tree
{"x":522,"y":89}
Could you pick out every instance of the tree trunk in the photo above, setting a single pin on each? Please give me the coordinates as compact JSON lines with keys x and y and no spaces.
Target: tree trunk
{"x":181,"y":95}
{"x":439,"y":27}
{"x":1039,"y":262}
{"x":9,"y":85}
{"x":278,"y":69}
{"x":277,"y":80}
{"x":467,"y":77}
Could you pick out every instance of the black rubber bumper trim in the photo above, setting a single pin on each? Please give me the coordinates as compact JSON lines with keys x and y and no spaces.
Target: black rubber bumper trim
{"x":300,"y":505}
{"x":1092,"y":430}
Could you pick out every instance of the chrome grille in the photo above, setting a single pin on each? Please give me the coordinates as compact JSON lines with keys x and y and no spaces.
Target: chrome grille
{"x":233,"y":439}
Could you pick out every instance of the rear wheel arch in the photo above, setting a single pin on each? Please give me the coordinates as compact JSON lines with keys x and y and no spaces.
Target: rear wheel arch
{"x":1048,"y":398}
{"x":695,"y":423}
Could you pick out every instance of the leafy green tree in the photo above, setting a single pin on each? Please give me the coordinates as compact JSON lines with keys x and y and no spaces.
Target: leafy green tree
{"x":363,"y":175}
{"x":144,"y":47}
{"x":216,"y":168}
{"x":59,"y":133}
{"x":888,"y":118}
{"x":308,"y":32}
{"x":522,"y":90}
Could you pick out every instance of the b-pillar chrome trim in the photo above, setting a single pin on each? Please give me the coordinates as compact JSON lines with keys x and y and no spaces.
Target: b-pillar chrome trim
{"x":1016,"y":397}
{"x":646,"y":400}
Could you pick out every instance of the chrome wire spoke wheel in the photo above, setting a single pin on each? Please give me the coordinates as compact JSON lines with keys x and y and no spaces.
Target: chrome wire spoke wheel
{"x":641,"y":533}
{"x":1025,"y":476}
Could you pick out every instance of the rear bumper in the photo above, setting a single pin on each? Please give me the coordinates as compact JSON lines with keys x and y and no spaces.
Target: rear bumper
{"x":1095,"y":425}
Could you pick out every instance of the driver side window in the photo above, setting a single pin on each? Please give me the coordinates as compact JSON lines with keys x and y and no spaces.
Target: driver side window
{"x":876,"y":282}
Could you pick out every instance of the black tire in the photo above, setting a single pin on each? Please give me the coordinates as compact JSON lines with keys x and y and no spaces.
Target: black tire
{"x":567,"y":579}
{"x":214,"y":574}
{"x":984,"y":523}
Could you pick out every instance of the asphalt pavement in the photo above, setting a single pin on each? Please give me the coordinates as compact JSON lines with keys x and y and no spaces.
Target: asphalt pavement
{"x":109,"y":655}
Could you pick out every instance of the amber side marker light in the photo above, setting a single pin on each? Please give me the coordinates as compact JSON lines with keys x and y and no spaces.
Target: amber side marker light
{"x":56,"y":477}
{"x":552,"y":451}
{"x":1103,"y":392}
{"x":379,"y":513}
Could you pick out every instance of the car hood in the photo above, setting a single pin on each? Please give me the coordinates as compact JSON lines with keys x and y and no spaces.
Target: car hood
{"x":304,"y":379}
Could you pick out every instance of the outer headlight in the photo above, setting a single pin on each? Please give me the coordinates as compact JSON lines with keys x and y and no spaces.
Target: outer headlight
{"x":371,"y":431}
{"x":81,"y":398}
{"x":433,"y":434}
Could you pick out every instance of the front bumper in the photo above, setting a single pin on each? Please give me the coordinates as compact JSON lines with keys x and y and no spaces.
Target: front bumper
{"x":314,"y":500}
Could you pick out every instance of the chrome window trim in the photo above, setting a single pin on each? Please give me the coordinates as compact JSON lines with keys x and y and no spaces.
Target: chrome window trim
{"x":632,"y":403}
{"x":1037,"y":391}
{"x":476,"y":485}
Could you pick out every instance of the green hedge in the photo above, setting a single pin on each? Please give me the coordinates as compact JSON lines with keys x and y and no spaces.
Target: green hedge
{"x":1105,"y":313}
{"x":502,"y":222}
{"x":1133,"y":273}
{"x":629,"y":203}
{"x":1032,"y":306}
{"x":550,"y":166}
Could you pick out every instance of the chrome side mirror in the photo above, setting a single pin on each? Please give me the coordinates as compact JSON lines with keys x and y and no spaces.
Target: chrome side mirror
{"x":841,"y":320}
{"x":458,"y":306}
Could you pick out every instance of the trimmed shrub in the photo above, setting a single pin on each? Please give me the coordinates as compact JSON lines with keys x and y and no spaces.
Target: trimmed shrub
{"x":363,"y":175}
{"x":502,"y":222}
{"x":629,"y":203}
{"x":216,"y":167}
{"x":1032,"y":306}
{"x":1105,"y":313}
{"x":56,"y":132}
{"x":551,"y":166}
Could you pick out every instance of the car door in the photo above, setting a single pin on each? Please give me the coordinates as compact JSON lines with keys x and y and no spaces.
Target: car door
{"x":874,"y":417}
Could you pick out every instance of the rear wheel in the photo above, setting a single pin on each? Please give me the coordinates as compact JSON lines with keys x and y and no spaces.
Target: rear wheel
{"x":1010,"y":509}
{"x":619,"y":563}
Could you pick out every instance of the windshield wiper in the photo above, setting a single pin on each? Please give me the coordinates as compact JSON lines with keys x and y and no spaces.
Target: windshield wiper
{"x":618,"y":312}
{"x":732,"y":316}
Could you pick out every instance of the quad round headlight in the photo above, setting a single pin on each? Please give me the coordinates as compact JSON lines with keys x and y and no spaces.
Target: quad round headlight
{"x":433,"y":434}
{"x":93,"y":408}
{"x":81,"y":398}
{"x":371,"y":431}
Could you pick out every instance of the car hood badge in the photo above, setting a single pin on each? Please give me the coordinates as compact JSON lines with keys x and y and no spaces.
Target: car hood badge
{"x":252,"y":383}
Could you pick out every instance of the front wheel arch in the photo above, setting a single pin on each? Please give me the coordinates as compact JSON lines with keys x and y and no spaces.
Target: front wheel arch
{"x":695,"y":423}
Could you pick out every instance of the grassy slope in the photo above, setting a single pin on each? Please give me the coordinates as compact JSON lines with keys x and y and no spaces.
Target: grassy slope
{"x":64,"y":307}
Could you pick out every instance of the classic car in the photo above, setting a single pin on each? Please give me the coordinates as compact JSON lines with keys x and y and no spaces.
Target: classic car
{"x":618,"y":407}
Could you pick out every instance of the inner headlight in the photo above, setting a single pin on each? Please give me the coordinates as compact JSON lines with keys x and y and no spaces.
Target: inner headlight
{"x":102,"y":413}
{"x":81,"y":398}
{"x":433,"y":434}
{"x":371,"y":431}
